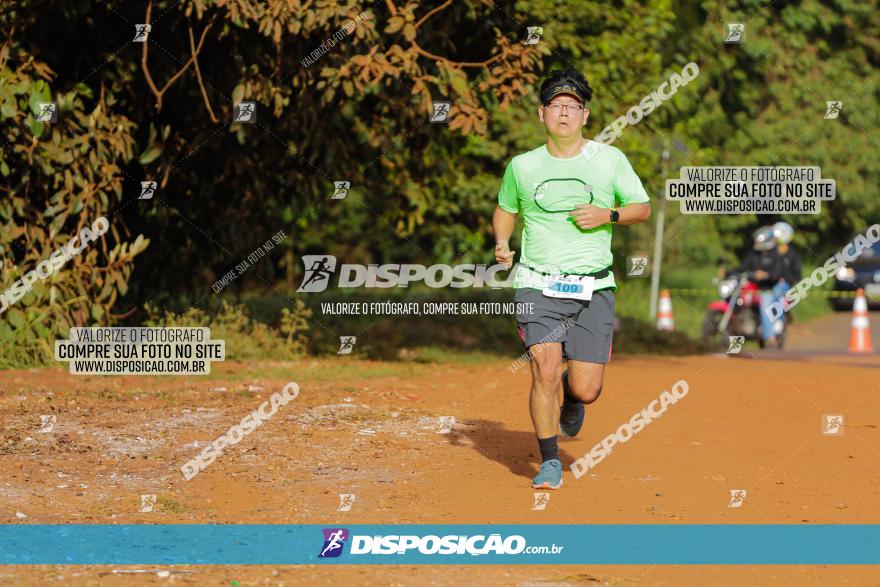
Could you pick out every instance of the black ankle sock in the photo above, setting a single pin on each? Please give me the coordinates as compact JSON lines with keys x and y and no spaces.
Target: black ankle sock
{"x":549,"y":448}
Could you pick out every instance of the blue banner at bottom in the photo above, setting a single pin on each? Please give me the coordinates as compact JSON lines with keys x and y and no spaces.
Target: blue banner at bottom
{"x":637,"y":544}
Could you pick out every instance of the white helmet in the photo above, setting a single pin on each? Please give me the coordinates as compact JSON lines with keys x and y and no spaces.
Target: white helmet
{"x":783,"y":232}
{"x":763,"y":238}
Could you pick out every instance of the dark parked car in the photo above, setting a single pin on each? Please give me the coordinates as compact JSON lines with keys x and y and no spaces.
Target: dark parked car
{"x":864,"y":272}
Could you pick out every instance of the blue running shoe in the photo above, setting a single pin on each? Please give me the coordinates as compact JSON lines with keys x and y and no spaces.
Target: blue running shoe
{"x":571,"y":416}
{"x":550,"y":475}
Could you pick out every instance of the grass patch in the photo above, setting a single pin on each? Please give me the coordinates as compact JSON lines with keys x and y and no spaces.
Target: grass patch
{"x":166,"y":504}
{"x":444,"y":355}
{"x":688,"y":306}
{"x":470,"y":339}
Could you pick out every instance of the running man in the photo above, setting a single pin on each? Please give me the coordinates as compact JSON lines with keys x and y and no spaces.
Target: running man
{"x":566,"y":251}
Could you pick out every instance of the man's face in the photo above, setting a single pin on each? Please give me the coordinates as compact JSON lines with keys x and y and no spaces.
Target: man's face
{"x":564,"y":116}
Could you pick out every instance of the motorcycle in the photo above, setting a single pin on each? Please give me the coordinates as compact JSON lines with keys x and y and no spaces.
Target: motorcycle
{"x":737,"y":313}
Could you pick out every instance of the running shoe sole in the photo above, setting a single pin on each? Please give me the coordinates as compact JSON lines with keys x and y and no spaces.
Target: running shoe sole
{"x":547,"y":486}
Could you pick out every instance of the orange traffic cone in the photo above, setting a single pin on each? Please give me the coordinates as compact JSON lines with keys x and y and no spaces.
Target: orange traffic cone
{"x":664,"y":315}
{"x":860,"y":333}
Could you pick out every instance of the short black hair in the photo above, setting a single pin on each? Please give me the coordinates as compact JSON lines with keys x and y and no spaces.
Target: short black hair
{"x":568,"y":75}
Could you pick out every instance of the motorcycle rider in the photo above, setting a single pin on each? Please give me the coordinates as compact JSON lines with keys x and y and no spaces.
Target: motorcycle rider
{"x":763,"y":266}
{"x":783,"y":232}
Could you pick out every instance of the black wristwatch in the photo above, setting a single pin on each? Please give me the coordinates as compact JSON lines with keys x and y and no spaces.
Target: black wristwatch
{"x":615,"y":216}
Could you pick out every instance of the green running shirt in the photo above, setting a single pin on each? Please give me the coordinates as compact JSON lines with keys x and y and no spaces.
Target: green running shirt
{"x":551,"y":241}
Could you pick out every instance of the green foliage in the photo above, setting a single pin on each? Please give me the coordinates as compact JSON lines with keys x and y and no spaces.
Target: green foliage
{"x":768,"y":99}
{"x":420,"y":192}
{"x":245,"y":338}
{"x":58,"y":178}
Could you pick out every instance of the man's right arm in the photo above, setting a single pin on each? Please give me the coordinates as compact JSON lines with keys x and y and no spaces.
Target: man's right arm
{"x":504,"y":218}
{"x":503,"y":223}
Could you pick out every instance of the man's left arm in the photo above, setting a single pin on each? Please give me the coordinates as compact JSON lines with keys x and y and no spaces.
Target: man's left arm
{"x":633,"y":213}
{"x":628,"y":191}
{"x":588,"y":216}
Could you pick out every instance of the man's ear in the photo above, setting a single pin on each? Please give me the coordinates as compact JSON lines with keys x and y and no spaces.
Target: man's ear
{"x":541,"y":113}
{"x":586,"y":115}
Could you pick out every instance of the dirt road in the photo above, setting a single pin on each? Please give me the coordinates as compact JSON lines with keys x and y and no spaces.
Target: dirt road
{"x":372,"y":429}
{"x":830,"y":333}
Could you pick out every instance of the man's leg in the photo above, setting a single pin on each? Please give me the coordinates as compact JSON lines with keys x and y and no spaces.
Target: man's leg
{"x":766,"y":298}
{"x":544,"y":397}
{"x":544,"y":409}
{"x":585,"y":380}
{"x":778,"y":293}
{"x":780,"y":288}
{"x":581,"y":384}
{"x":588,"y":348}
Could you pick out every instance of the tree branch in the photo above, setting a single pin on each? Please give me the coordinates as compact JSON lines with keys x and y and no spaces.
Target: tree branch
{"x":125,"y":315}
{"x":192,"y":46}
{"x":189,"y":61}
{"x":146,"y":67}
{"x":4,"y":52}
{"x":443,"y":6}
{"x":153,"y":88}
{"x":391,"y":7}
{"x":424,"y":53}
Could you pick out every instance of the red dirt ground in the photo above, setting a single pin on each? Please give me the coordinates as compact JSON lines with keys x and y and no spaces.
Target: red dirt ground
{"x":368,"y":428}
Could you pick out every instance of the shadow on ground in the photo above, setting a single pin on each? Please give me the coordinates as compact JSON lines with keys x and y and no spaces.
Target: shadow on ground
{"x":515,"y":449}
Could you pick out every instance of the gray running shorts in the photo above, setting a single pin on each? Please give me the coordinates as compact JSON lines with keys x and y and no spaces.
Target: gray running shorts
{"x":584,"y":328}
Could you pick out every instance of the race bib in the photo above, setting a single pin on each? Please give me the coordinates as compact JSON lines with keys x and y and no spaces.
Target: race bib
{"x":575,"y":287}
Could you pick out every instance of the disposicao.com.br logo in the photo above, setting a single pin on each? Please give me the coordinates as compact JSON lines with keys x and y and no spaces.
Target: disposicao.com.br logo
{"x":319,"y":270}
{"x":334,"y":541}
{"x":431,"y":544}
